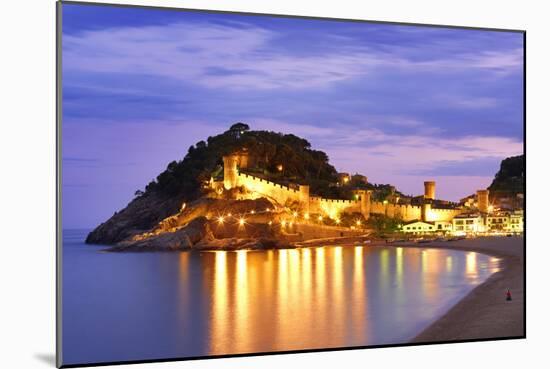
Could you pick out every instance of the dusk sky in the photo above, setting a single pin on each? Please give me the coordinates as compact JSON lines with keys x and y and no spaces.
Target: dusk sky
{"x":399,"y":104}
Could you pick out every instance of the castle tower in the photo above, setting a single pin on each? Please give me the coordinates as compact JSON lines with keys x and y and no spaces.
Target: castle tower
{"x":304,"y":198}
{"x":364,"y":198}
{"x":230,"y":171}
{"x":429,"y":190}
{"x":426,"y":210}
{"x":483,"y":201}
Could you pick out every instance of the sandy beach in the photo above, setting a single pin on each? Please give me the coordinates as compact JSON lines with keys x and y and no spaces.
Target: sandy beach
{"x":484,"y":313}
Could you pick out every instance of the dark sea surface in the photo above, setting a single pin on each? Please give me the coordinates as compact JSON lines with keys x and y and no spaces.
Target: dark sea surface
{"x":146,"y":306}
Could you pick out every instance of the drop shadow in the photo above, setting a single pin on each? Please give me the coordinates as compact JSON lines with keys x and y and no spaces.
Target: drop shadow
{"x":46,"y":358}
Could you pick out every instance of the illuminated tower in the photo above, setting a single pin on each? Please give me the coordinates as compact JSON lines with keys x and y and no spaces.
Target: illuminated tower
{"x":364,"y":197}
{"x":483,"y":201}
{"x":429,"y":190}
{"x":230,"y":171}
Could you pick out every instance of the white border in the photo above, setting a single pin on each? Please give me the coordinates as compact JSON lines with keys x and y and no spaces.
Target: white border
{"x":27,"y":210}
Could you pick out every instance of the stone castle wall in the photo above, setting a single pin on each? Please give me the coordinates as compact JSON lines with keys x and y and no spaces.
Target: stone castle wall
{"x":412,"y":212}
{"x":331,"y":207}
{"x":281,"y":194}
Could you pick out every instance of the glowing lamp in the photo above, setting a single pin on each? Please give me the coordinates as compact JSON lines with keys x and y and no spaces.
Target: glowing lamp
{"x":241,"y":221}
{"x":280,"y":167}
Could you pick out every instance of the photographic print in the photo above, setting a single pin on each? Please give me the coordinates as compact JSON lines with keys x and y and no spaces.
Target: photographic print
{"x":239,"y":184}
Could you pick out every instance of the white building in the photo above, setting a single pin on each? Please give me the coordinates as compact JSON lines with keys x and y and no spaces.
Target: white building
{"x":469,"y":223}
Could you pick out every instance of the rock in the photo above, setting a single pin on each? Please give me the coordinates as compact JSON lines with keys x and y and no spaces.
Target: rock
{"x":181,"y":239}
{"x":141,"y":215}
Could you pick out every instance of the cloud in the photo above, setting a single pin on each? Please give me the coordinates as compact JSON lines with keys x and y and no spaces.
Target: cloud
{"x":371,"y":150}
{"x":251,"y":57}
{"x":467,"y":102}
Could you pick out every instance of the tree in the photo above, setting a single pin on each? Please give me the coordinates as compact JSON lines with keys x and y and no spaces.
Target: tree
{"x":239,"y":128}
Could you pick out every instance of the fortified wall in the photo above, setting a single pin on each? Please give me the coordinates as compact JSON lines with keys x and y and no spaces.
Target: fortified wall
{"x":259,"y":187}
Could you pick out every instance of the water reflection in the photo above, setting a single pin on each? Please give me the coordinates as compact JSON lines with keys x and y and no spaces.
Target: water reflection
{"x":319,"y":297}
{"x":471,"y":265}
{"x":214,"y":303}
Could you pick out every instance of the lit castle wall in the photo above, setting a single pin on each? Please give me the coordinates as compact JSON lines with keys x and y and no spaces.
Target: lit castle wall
{"x":258,"y":187}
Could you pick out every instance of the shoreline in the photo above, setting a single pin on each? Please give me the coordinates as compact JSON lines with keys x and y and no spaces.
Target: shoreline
{"x":483,"y":313}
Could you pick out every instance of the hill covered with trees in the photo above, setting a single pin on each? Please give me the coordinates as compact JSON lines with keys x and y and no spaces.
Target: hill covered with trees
{"x":183,"y":180}
{"x":511,"y":176}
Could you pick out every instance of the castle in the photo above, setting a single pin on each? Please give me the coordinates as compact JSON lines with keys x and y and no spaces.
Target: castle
{"x":427,"y":210}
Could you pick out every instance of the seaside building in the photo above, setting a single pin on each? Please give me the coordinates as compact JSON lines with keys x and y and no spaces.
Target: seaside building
{"x":421,"y":214}
{"x":422,"y":227}
{"x":515,"y":225}
{"x":418,"y":227}
{"x":468,"y":223}
{"x":498,"y":221}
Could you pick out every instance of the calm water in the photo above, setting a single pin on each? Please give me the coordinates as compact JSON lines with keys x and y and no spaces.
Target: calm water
{"x":132,"y":306}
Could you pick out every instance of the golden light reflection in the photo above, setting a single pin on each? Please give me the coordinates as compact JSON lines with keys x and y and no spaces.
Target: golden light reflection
{"x":282,"y":298}
{"x":471,"y":264}
{"x":424,"y":262}
{"x":385,"y":264}
{"x":338,"y":291}
{"x":320,"y":288}
{"x":358,"y":295}
{"x":316,"y":297}
{"x":220,"y":315}
{"x":242,"y":341}
{"x":399,"y":266}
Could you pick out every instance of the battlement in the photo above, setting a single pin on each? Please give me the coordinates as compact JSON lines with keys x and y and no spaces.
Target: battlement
{"x":281,"y":194}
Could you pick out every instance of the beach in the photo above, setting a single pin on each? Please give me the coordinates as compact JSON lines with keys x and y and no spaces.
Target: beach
{"x":484,"y":313}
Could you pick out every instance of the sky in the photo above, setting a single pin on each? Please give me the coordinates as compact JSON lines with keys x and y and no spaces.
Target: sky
{"x":399,"y":104}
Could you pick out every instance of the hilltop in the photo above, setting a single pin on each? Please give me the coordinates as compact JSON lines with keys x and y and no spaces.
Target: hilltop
{"x":184,"y":181}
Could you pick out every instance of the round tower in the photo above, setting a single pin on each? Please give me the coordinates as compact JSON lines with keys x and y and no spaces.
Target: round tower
{"x":429,"y":190}
{"x":483,"y":201}
{"x":230,"y":171}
